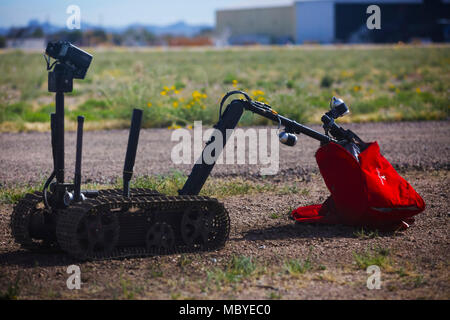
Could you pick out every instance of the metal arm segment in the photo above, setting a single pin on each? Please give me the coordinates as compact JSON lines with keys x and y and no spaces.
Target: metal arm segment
{"x":59,"y":137}
{"x":79,"y":150}
{"x":130,"y":157}
{"x":290,"y":125}
{"x":201,"y":170}
{"x":229,"y":120}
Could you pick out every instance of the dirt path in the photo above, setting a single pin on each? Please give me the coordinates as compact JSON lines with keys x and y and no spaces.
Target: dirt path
{"x":415,"y":263}
{"x":282,"y":260}
{"x":26,"y":157}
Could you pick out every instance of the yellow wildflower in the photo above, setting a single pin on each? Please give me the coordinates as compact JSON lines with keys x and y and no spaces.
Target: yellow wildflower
{"x":174,"y":126}
{"x":258,"y":92}
{"x":347,"y":74}
{"x":175,"y":104}
{"x":196,"y":94}
{"x":235,"y":82}
{"x":163,"y":93}
{"x":149,"y":104}
{"x":418,"y":90}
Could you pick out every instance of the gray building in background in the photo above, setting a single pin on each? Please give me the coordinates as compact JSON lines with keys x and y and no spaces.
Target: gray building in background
{"x":257,"y":25}
{"x":335,"y":21}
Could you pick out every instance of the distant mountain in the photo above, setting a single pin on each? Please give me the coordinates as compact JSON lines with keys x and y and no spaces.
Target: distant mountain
{"x":177,"y":29}
{"x":32,"y":26}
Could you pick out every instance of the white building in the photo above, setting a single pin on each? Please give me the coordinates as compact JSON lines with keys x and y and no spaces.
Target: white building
{"x":331,"y":21}
{"x":27,"y":43}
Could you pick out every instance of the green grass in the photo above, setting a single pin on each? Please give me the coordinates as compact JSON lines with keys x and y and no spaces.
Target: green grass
{"x":177,"y":87}
{"x":296,"y":267}
{"x":274,"y":295}
{"x":155,"y":271}
{"x":374,"y":256}
{"x":366,"y":234}
{"x":184,"y":261}
{"x":170,"y":184}
{"x":14,"y":194}
{"x":418,"y":281}
{"x":129,"y":289}
{"x":237,"y":269}
{"x":13,"y":289}
{"x":167,"y":184}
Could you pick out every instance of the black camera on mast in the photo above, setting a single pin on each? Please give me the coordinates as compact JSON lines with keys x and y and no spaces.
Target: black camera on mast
{"x":338,"y":108}
{"x":71,"y":63}
{"x":287,"y":138}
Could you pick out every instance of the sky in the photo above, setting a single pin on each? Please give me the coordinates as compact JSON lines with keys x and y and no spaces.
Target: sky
{"x":121,"y":13}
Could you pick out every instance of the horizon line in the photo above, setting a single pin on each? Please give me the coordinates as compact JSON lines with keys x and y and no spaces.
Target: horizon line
{"x":205,"y":24}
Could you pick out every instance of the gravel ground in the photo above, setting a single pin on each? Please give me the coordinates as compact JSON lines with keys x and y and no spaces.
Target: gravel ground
{"x":416,"y":265}
{"x":26,"y":157}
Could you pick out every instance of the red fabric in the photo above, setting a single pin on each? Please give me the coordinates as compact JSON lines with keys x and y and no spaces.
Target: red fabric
{"x":367,"y":193}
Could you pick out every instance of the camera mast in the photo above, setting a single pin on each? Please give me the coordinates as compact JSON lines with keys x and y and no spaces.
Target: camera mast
{"x":70,"y":62}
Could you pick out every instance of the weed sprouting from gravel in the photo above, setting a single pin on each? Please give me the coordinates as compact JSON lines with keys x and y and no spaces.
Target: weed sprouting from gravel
{"x":155,"y":271}
{"x":237,"y":269}
{"x":295,"y":267}
{"x":288,"y":213}
{"x":170,"y":184}
{"x":274,"y":295}
{"x":401,"y":272}
{"x":305,"y":192}
{"x":166,"y":184}
{"x":366,"y":234}
{"x":125,"y":284}
{"x":418,"y":281}
{"x":289,"y":189}
{"x":274,"y":215}
{"x":184,"y":261}
{"x":375,"y":256}
{"x":129,"y":289}
{"x":14,"y":194}
{"x":242,"y":265}
{"x":13,"y":290}
{"x":231,"y":187}
{"x":175,"y":295}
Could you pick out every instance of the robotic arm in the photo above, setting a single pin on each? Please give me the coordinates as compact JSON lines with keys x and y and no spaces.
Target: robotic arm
{"x":232,"y":114}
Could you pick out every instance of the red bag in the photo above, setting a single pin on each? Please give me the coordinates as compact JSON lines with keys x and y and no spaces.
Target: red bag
{"x":367,"y":193}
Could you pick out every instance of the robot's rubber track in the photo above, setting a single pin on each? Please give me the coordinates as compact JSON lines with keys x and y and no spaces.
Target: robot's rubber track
{"x":130,"y":227}
{"x":20,"y":220}
{"x":33,"y":204}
